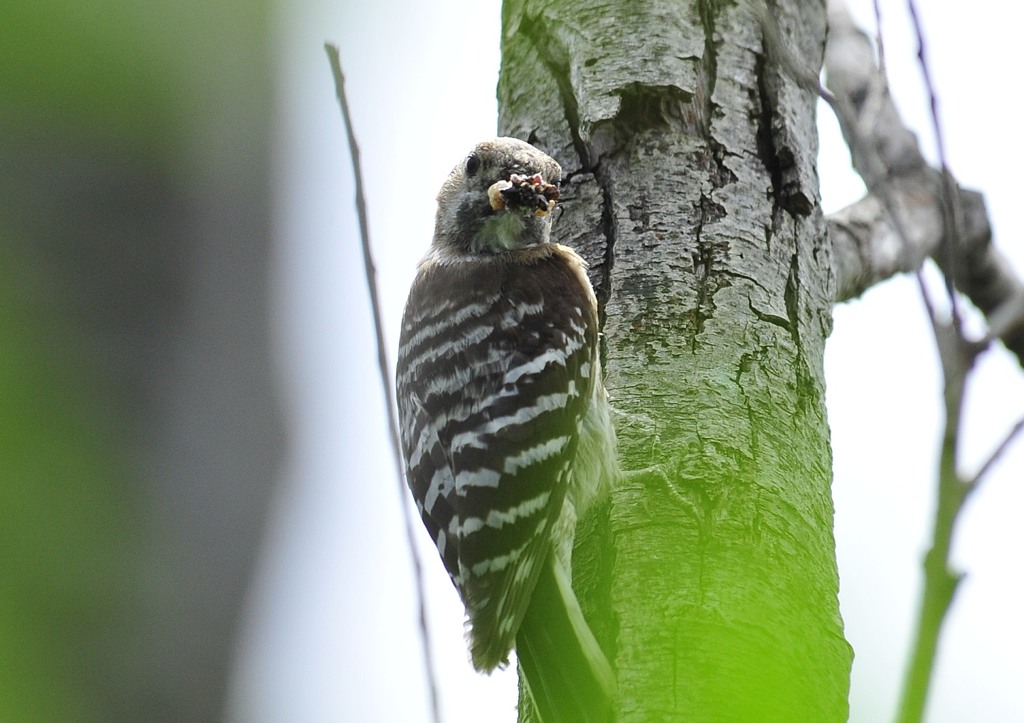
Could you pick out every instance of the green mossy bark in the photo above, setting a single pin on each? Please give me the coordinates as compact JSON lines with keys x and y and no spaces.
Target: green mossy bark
{"x":709,"y":575}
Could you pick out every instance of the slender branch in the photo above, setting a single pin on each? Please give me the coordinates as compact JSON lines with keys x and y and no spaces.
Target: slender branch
{"x":929,"y":307}
{"x":918,"y":211}
{"x":385,"y":374}
{"x":952,"y":216}
{"x":883,"y":72}
{"x":1005,"y":318}
{"x":994,"y":457}
{"x":957,"y":356}
{"x":940,"y":583}
{"x":904,"y":192}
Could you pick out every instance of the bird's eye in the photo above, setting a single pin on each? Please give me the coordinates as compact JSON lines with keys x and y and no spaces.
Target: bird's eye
{"x":472,"y":164}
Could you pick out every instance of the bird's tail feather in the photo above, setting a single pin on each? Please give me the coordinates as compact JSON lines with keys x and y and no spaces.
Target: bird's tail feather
{"x":567,"y":675}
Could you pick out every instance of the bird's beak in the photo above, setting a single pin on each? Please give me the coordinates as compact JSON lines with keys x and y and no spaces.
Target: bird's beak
{"x":494,"y":194}
{"x":526,"y":192}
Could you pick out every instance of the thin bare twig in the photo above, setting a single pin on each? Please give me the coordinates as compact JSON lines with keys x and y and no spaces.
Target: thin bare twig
{"x":883,"y":72}
{"x":385,"y":374}
{"x":1005,"y":318}
{"x":929,"y":307}
{"x":868,"y":247}
{"x":940,"y":583}
{"x":994,"y":457}
{"x":957,"y":355}
{"x":890,"y":162}
{"x":954,"y":217}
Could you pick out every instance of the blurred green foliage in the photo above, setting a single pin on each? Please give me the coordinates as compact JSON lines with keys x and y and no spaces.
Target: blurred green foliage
{"x":109,"y":110}
{"x":65,"y":541}
{"x":95,"y":66}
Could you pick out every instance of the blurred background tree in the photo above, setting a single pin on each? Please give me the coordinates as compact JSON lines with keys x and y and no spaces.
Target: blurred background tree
{"x":138,"y":430}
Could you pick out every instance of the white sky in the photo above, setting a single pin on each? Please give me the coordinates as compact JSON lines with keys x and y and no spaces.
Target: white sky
{"x":332,"y":624}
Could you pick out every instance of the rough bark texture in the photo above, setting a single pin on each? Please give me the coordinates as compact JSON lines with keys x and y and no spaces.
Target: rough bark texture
{"x":709,"y":575}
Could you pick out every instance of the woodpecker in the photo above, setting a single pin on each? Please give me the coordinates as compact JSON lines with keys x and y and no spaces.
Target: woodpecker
{"x":504,"y":421}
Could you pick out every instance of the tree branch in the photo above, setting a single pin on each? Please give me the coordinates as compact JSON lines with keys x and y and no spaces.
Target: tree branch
{"x":903,"y":220}
{"x":385,"y":375}
{"x":914,"y":211}
{"x":994,"y":457}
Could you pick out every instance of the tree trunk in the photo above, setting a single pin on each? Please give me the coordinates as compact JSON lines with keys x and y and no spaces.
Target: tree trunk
{"x":689,"y":182}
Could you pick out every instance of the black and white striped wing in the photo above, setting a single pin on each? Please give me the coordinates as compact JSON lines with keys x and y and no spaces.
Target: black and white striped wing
{"x":493,"y":379}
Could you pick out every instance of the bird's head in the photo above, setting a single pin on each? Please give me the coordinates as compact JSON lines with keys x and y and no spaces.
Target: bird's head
{"x":499,"y":198}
